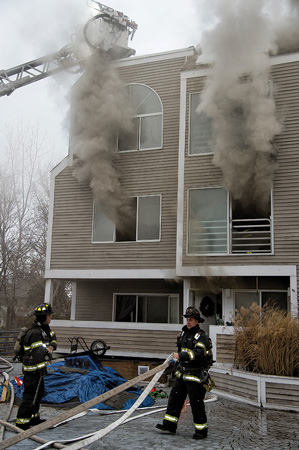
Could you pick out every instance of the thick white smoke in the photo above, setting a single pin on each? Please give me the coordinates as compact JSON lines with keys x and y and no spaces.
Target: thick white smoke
{"x":101,"y":111}
{"x":285,"y":26}
{"x":237,"y":98}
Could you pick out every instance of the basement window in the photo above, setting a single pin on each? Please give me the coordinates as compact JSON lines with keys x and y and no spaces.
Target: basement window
{"x":146,"y":222}
{"x":149,"y":308}
{"x":147,"y":120}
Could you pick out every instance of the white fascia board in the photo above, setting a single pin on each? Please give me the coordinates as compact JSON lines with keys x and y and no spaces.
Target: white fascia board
{"x":181,"y":174}
{"x":154,"y":57}
{"x":111,"y":274}
{"x":122,"y":354}
{"x":60,"y":167}
{"x":284,"y":59}
{"x":207,"y":69}
{"x":137,"y":355}
{"x":238,"y":271}
{"x":198,"y":72}
{"x":116,"y":325}
{"x":54,"y":172}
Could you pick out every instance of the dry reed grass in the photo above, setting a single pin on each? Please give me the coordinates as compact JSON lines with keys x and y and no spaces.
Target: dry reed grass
{"x":267,"y":341}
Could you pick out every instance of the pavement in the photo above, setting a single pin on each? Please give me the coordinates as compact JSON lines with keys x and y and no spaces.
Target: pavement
{"x":232,"y":426}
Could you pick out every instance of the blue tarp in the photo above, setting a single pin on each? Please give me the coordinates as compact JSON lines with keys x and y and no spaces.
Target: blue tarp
{"x":62,"y":387}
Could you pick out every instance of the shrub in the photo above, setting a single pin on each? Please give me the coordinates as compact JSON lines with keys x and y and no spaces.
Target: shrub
{"x":267,"y":341}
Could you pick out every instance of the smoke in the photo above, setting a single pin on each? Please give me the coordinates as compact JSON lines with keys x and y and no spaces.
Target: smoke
{"x":237,"y":99}
{"x":286,"y":27}
{"x":100,"y":112}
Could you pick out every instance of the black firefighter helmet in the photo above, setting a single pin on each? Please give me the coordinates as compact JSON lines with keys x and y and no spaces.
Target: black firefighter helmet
{"x":193,"y":312}
{"x":43,"y":309}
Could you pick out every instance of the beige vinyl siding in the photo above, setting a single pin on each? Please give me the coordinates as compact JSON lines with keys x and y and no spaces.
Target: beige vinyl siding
{"x":288,"y":396}
{"x":72,"y":246}
{"x":241,"y":387}
{"x":150,"y":172}
{"x":121,"y":340}
{"x":95,"y":298}
{"x":226,"y":347}
{"x":200,"y":172}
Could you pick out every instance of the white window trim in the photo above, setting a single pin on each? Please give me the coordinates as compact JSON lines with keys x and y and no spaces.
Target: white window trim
{"x":228,"y":225}
{"x":92,"y":229}
{"x":189,"y":131}
{"x":115,"y":294}
{"x":139,"y":116}
{"x":229,"y":219}
{"x":160,"y":221}
{"x":114,"y":228}
{"x":260,"y":292}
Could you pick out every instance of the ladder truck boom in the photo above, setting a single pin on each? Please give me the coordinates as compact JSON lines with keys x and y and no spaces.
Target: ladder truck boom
{"x":38,"y":69}
{"x":107,"y":31}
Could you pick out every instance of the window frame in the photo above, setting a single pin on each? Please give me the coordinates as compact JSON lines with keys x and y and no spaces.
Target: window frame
{"x":230,"y":218}
{"x":160,"y":218}
{"x":139,"y":117}
{"x":189,"y":128}
{"x":147,"y":294}
{"x":188,"y":219}
{"x":136,"y":231}
{"x":260,"y":293}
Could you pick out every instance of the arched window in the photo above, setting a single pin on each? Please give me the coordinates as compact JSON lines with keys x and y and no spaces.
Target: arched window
{"x":147,"y":119}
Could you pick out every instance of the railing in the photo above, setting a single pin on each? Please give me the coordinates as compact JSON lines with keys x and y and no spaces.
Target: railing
{"x":246,"y":236}
{"x":251,"y":236}
{"x":7,"y":342}
{"x":209,"y":236}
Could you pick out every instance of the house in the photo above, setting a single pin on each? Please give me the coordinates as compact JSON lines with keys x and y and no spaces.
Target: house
{"x":186,"y":239}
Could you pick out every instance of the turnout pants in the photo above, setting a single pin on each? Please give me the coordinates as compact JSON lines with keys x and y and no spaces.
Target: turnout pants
{"x":196,"y":393}
{"x":28,"y":410}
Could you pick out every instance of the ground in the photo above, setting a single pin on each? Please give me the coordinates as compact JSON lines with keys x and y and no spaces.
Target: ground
{"x":232,"y":426}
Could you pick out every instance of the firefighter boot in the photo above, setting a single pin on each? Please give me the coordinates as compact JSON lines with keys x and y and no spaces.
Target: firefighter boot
{"x":200,"y":434}
{"x":171,"y":428}
{"x":23,"y":426}
{"x":36,"y":421}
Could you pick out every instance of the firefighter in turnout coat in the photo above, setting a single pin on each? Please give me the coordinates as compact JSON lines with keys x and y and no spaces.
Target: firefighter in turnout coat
{"x":39,"y":342}
{"x":191,"y":376}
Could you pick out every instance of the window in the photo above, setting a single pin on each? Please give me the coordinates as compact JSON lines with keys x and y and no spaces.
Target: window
{"x":103,"y":227}
{"x":147,"y":120}
{"x":213,"y":227}
{"x":200,"y":128}
{"x":147,"y":222}
{"x":207,"y":223}
{"x":271,"y":298}
{"x":146,"y":308}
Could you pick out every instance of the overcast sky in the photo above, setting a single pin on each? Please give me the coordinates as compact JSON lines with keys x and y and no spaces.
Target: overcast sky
{"x":30,"y":29}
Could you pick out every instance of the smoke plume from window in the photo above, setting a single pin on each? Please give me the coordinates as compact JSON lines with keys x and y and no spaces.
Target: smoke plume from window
{"x":101,"y":111}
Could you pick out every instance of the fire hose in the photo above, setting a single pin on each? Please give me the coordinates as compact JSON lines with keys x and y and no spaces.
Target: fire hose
{"x":84,"y":406}
{"x":154,"y":410}
{"x":104,"y":431}
{"x":6,"y":384}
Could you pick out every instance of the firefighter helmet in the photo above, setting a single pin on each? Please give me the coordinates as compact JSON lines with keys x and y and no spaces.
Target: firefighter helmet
{"x":193,"y":312}
{"x":43,"y":308}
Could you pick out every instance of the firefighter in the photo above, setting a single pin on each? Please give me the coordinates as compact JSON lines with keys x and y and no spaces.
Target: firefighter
{"x":39,"y":343}
{"x":190,"y":376}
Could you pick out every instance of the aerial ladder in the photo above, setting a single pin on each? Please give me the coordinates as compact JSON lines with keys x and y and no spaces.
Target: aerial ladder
{"x":107,"y":31}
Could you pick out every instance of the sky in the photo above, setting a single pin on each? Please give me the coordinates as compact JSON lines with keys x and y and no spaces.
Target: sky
{"x":30,"y":29}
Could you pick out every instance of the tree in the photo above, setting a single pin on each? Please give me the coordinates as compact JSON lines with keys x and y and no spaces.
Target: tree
{"x":24,"y":197}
